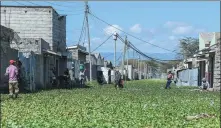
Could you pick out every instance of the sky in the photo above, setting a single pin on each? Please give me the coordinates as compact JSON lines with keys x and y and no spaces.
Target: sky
{"x":159,"y":23}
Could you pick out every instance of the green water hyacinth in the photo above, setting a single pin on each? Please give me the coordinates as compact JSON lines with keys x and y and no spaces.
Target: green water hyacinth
{"x":141,"y":104}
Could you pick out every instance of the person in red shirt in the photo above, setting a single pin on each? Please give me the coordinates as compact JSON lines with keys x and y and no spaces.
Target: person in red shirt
{"x":169,"y":79}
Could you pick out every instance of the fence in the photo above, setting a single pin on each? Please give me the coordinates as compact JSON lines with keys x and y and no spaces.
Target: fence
{"x":29,"y":70}
{"x":76,"y":65}
{"x":187,"y":77}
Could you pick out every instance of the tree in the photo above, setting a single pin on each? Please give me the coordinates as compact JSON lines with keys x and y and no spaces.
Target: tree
{"x":141,"y":63}
{"x":167,"y":65}
{"x":188,"y":47}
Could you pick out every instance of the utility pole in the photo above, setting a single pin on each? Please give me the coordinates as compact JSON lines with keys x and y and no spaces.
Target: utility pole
{"x":133,"y":66}
{"x":133,"y":57}
{"x":125,"y":46}
{"x":115,"y":48}
{"x":88,"y":34}
{"x":127,"y":59}
{"x":138,"y":65}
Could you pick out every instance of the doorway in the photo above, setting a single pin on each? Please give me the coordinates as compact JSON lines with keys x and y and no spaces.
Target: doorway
{"x":202,"y":71}
{"x":57,"y":67}
{"x":212,"y":65}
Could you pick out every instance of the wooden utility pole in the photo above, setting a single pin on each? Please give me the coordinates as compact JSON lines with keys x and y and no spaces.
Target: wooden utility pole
{"x":88,"y":34}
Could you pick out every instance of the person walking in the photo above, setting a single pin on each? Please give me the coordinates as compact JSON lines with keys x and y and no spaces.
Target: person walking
{"x":81,"y":77}
{"x":12,"y":73}
{"x":169,"y":80}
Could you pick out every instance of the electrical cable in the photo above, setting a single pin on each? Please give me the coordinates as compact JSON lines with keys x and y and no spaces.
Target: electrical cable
{"x":82,"y":29}
{"x":103,"y":43}
{"x":130,"y":34}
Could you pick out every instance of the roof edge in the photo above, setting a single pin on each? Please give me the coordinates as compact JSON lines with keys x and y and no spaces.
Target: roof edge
{"x":28,"y":6}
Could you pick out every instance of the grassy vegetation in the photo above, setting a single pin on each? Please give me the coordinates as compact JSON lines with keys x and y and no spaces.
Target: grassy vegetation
{"x":140,"y":104}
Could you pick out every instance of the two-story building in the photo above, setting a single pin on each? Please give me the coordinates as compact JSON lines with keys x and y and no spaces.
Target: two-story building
{"x":38,"y":26}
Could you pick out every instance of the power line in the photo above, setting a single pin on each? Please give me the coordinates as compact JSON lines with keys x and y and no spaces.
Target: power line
{"x":82,"y":29}
{"x":119,"y":57}
{"x":20,"y":3}
{"x":71,"y":14}
{"x":60,"y":5}
{"x":85,"y":34}
{"x":130,"y":34}
{"x":55,"y":8}
{"x":137,"y":50}
{"x":102,"y":43}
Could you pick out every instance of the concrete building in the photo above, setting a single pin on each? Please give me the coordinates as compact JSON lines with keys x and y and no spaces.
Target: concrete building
{"x":100,"y":59}
{"x":78,"y":53}
{"x":93,"y":59}
{"x":209,"y":58}
{"x":37,"y":22}
{"x":7,"y":36}
{"x":42,"y":33}
{"x":108,"y":64}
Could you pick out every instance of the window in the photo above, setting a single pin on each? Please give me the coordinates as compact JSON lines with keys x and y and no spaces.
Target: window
{"x":36,"y":42}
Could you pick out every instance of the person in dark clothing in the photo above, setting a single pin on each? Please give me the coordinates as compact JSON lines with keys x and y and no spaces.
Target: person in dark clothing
{"x":19,"y":76}
{"x":66,"y":78}
{"x":118,"y":80}
{"x":169,"y":80}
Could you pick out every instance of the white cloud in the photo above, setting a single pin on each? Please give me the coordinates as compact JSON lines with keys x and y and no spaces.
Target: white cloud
{"x":136,"y":28}
{"x":172,"y":24}
{"x":153,"y":30}
{"x":200,"y":30}
{"x":180,"y":30}
{"x":172,"y":37}
{"x":110,"y":30}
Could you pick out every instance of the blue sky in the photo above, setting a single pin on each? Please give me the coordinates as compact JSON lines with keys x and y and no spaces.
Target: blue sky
{"x":160,"y":23}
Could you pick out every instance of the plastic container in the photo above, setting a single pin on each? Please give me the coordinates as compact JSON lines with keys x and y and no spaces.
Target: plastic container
{"x":81,"y":67}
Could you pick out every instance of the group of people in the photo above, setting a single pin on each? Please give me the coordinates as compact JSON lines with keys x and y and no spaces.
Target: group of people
{"x":13,"y":72}
{"x":204,"y":85}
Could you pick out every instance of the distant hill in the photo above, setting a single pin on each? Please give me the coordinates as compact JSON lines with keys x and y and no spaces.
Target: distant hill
{"x":162,"y":56}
